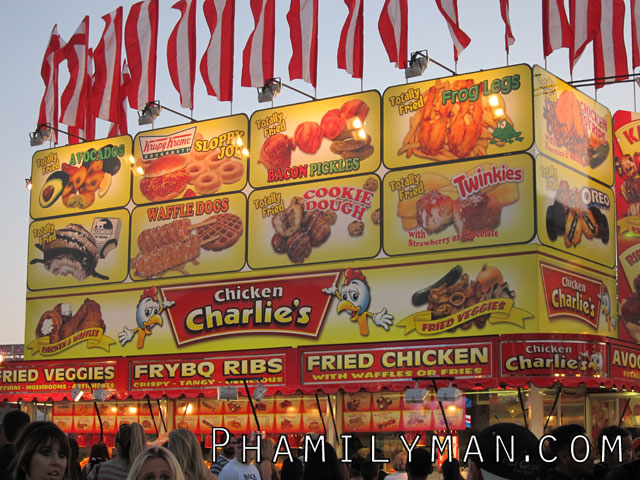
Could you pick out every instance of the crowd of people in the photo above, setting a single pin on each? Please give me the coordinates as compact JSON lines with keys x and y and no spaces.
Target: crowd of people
{"x":39,"y":450}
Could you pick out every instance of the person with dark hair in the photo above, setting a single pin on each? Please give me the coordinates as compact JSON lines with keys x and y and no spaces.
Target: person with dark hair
{"x":494,"y":464}
{"x":451,"y":470}
{"x":419,"y":466}
{"x":328,"y":469}
{"x":239,"y":468}
{"x":608,"y":437}
{"x":74,"y":465}
{"x":99,"y":453}
{"x":42,"y":453}
{"x":292,"y":469}
{"x":12,"y":423}
{"x":370,"y":470}
{"x":130,"y":441}
{"x":228,"y":453}
{"x":626,"y":471}
{"x":355,"y":467}
{"x":571,"y":463}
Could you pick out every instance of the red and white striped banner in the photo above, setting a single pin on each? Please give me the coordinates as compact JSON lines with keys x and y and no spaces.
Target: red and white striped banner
{"x":107,"y":57}
{"x":181,"y":52}
{"x":141,"y":43}
{"x":303,"y":31}
{"x":585,"y":22}
{"x":351,"y":46}
{"x":449,"y":10}
{"x":49,"y":72}
{"x":257,"y":56}
{"x":393,"y":27}
{"x":119,"y":127}
{"x":556,"y":32}
{"x":509,"y":39}
{"x":73,"y":101}
{"x":609,"y":52}
{"x":216,"y":66}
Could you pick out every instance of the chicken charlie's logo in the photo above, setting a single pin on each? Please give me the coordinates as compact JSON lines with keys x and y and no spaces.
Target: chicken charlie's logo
{"x":148,"y":314}
{"x":355,"y":298}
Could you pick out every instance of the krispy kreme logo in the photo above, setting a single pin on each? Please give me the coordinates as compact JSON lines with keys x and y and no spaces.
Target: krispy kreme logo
{"x":154,"y":146}
{"x":286,"y":306}
{"x":481,"y":179}
{"x":570,"y":295}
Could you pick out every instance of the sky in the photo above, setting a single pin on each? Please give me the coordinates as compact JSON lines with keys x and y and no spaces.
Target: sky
{"x":25,"y":28}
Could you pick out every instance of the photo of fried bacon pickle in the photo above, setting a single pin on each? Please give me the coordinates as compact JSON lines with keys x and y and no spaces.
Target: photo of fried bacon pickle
{"x":436,"y":208}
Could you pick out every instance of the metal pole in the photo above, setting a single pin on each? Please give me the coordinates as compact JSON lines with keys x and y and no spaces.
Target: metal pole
{"x":161,"y":415}
{"x":524,"y":415}
{"x":253,"y":408}
{"x":333,"y":418}
{"x":152,"y":415}
{"x":324,"y":427}
{"x":95,"y":405}
{"x":553,"y":408}
{"x":444,"y":416}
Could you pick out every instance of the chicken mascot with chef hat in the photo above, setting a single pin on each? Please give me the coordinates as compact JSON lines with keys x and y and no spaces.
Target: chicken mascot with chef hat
{"x":147,"y":315}
{"x":354,"y":297}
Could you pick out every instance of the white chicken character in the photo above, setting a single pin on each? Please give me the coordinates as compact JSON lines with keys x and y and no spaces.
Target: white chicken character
{"x":147,"y":315}
{"x":354,"y":297}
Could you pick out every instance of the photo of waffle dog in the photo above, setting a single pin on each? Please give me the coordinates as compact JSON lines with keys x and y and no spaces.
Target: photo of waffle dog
{"x":175,"y":244}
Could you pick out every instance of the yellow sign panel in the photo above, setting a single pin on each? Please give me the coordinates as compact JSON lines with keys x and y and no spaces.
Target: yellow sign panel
{"x":473,"y":115}
{"x":191,"y":237}
{"x":471,"y":293}
{"x":191,"y":160}
{"x":81,"y":250}
{"x":466,"y":204}
{"x":575,"y":214}
{"x":81,"y":178}
{"x":317,"y":140}
{"x":572,"y":128}
{"x":315,"y":222}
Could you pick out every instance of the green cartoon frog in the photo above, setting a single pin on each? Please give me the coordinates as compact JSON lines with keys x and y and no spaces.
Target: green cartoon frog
{"x":505,"y":133}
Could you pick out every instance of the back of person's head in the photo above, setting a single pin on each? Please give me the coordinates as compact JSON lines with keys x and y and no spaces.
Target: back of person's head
{"x":184,"y":445}
{"x":495,"y":441}
{"x":292,"y":469}
{"x":451,"y":469}
{"x":30,"y":440}
{"x":74,"y":464}
{"x":151,"y":453}
{"x":615,"y":434}
{"x":399,"y":462}
{"x":267,"y":449}
{"x":131,"y":441}
{"x":370,"y":470}
{"x":355,"y":467}
{"x":564,"y":435}
{"x":419,"y":465}
{"x":328,"y":469}
{"x":99,"y":453}
{"x":13,"y":422}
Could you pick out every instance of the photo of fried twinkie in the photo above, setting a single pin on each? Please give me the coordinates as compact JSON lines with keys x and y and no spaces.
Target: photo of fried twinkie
{"x":451,"y":130}
{"x":440,"y":204}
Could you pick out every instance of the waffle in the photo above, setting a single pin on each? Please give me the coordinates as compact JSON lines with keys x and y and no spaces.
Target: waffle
{"x":224,"y":230}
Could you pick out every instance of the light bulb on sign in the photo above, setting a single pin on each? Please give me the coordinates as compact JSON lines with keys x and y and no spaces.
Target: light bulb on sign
{"x":239,"y":141}
{"x":133,"y":410}
{"x":498,"y":112}
{"x":140,"y":170}
{"x":493,"y":100}
{"x":131,"y":159}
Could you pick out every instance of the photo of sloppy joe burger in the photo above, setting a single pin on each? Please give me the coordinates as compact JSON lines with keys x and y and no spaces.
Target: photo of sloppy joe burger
{"x":165,"y":178}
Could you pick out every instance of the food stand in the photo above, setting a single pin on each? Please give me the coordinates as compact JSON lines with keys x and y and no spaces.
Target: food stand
{"x":336,"y":249}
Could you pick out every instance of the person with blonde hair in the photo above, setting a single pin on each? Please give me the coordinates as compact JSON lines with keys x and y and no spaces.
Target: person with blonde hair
{"x":266,"y":467}
{"x":155,"y":463}
{"x":399,"y":464}
{"x":130,"y":441}
{"x":184,"y":445}
{"x":42,"y":453}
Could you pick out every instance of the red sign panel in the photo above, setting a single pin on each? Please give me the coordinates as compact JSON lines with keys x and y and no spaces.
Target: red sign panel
{"x":292,"y":305}
{"x":570,"y":295}
{"x":553,"y":357}
{"x":625,"y":362}
{"x":400,"y":363}
{"x":207,"y":372}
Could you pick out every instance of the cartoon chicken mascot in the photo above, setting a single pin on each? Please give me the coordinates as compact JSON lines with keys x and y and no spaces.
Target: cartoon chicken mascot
{"x":147,"y":315}
{"x":354,"y":297}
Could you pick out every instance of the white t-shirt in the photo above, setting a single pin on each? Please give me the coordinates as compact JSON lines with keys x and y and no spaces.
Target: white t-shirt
{"x":235,"y":470}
